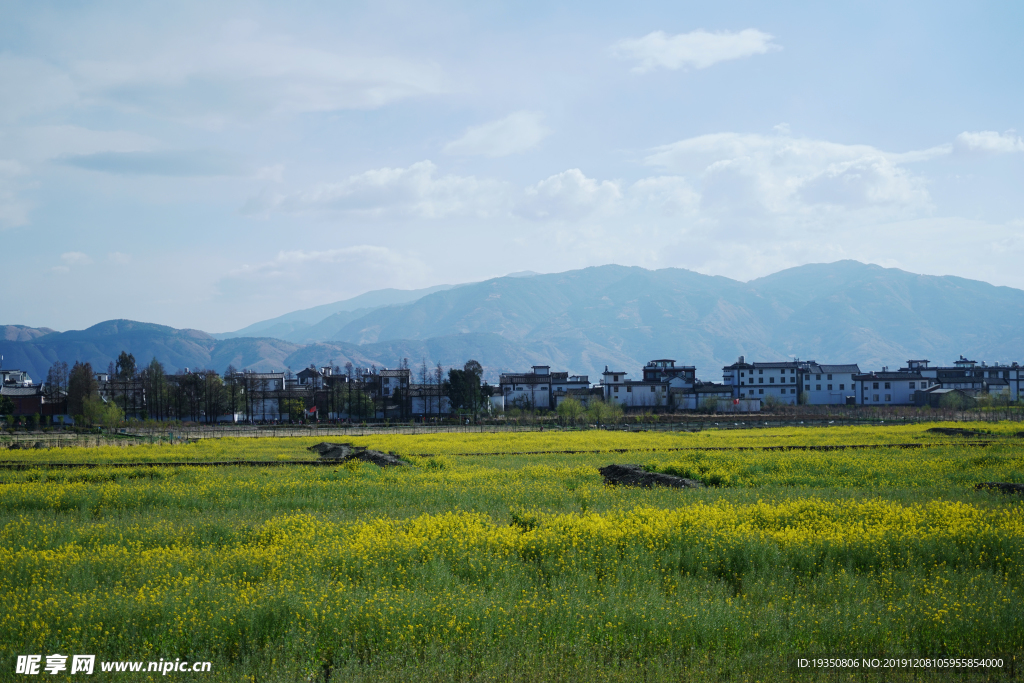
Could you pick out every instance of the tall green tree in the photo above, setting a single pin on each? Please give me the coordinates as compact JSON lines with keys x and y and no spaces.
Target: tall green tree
{"x":463,"y":387}
{"x":81,"y":386}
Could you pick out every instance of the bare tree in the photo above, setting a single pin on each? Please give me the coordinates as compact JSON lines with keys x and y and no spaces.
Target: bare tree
{"x":348,"y":406}
{"x":439,"y":383}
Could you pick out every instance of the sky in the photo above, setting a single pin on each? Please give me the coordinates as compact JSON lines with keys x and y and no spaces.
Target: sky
{"x":209,"y":165}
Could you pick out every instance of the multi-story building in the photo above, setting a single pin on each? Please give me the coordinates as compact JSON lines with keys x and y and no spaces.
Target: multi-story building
{"x":15,"y":378}
{"x":573,"y":386}
{"x":887,"y":388}
{"x":828,"y":384}
{"x":764,"y":380}
{"x":972,"y":377}
{"x":655,"y":390}
{"x":532,"y":390}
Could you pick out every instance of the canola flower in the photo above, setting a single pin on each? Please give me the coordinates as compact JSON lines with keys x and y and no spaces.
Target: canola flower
{"x":236,"y":448}
{"x":511,"y":556}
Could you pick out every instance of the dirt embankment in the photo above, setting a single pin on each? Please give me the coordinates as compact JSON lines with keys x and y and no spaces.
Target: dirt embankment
{"x":342,"y":452}
{"x":634,"y":475}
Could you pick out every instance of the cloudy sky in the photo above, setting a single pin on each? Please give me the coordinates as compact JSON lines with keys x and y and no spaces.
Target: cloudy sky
{"x":209,"y":165}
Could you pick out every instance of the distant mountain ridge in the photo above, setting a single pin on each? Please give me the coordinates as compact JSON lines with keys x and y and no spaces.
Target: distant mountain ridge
{"x":23,"y":332}
{"x":311,"y":324}
{"x":583,"y":320}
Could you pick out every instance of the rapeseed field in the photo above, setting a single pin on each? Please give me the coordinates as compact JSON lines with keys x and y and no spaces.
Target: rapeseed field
{"x":506,"y":557}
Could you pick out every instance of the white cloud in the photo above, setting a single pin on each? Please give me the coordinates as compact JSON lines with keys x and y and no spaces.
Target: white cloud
{"x":568,"y":195}
{"x":119,"y":258}
{"x":515,"y":133}
{"x":764,"y":175}
{"x":665,"y":195}
{"x":242,"y":75}
{"x":213,"y":77}
{"x":286,"y":279}
{"x":417,"y":191}
{"x":173,"y":163}
{"x":39,"y":143}
{"x":696,"y":50}
{"x":988,"y":142}
{"x":75,"y":258}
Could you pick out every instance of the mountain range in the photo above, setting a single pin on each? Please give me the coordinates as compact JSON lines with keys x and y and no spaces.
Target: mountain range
{"x":583,"y":320}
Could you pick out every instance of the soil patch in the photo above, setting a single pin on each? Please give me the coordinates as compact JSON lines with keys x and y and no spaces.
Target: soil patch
{"x":1001,"y":486}
{"x":341,"y":452}
{"x":955,"y":431}
{"x":634,"y":475}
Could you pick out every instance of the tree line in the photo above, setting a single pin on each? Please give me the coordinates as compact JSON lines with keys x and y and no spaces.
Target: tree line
{"x":150,"y":393}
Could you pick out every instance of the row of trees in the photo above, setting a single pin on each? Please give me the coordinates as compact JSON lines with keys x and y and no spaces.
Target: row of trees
{"x":204,"y":395}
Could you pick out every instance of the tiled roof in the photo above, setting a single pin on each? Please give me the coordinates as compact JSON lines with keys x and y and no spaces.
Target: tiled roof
{"x":836,"y":369}
{"x":870,"y":376}
{"x":21,"y":391}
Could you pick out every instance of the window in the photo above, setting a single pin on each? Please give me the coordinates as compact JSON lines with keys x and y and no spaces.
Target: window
{"x":817,"y":387}
{"x":875,"y":397}
{"x":911,"y":385}
{"x":807,"y":387}
{"x":760,"y":380}
{"x":741,"y":374}
{"x":817,"y":377}
{"x":830,"y":376}
{"x":887,"y":385}
{"x":760,"y":391}
{"x":841,"y":387}
{"x":771,"y":380}
{"x":630,"y":389}
{"x":652,"y":389}
{"x":875,"y":386}
{"x":888,"y":397}
{"x":742,"y":383}
{"x":830,"y":386}
{"x":616,"y":390}
{"x":760,"y":372}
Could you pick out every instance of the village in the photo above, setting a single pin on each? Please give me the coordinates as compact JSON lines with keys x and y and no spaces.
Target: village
{"x":353,"y":394}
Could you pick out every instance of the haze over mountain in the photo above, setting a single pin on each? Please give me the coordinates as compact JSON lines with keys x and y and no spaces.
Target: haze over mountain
{"x":325,"y":319}
{"x":611,"y":315}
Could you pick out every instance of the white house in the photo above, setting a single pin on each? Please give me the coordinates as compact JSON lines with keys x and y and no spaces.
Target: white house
{"x":662,"y":385}
{"x":535,"y":389}
{"x":972,"y":377}
{"x":889,"y":388}
{"x":697,"y":396}
{"x":829,"y":384}
{"x":762,"y":380}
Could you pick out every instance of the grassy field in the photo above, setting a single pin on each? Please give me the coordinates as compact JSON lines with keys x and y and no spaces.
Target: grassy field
{"x":505,"y":557}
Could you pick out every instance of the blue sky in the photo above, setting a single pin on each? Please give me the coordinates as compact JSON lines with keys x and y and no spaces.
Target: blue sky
{"x":208,"y":165}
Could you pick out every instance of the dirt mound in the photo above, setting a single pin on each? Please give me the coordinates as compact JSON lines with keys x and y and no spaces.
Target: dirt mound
{"x":342,"y":452}
{"x":955,"y":431}
{"x":634,"y":475}
{"x":1000,"y":486}
{"x":332,"y":451}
